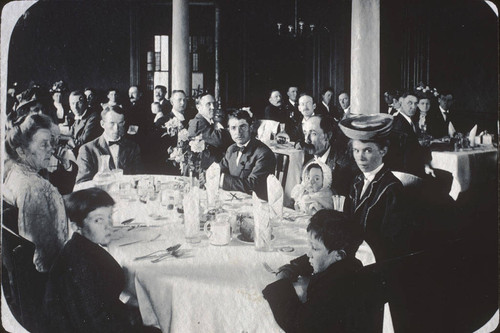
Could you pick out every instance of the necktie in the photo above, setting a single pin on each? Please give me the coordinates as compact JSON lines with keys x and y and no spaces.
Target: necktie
{"x":365,"y":186}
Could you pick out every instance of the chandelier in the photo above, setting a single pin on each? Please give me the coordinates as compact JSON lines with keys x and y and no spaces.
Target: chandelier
{"x":298,"y":28}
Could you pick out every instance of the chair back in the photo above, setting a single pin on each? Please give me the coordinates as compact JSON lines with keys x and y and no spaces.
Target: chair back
{"x":408,"y":179}
{"x":22,"y":284}
{"x":281,"y":171}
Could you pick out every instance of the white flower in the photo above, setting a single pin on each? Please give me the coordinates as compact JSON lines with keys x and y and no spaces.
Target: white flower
{"x":173,"y":123}
{"x":183,"y":135}
{"x":177,"y":155}
{"x":247,"y":109}
{"x":197,"y":144}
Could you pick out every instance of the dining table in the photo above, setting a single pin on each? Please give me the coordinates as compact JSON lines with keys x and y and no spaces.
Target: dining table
{"x":204,"y":287}
{"x":469,"y":166}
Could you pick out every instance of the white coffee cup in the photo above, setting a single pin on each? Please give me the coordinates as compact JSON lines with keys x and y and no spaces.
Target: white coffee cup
{"x":220,"y":230}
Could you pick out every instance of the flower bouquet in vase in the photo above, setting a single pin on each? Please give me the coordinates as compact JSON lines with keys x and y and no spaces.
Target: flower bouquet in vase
{"x":188,"y":155}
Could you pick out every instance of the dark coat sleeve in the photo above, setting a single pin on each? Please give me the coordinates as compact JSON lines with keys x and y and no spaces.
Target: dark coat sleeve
{"x":214,"y":137}
{"x":62,"y":179}
{"x":87,"y":164}
{"x":133,"y":159}
{"x":91,"y":131}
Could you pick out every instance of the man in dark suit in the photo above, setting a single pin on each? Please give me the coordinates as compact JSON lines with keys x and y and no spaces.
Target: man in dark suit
{"x":406,"y":154}
{"x":124,"y":153}
{"x":292,"y":105}
{"x":274,"y":110}
{"x":86,"y":126}
{"x":160,"y":96}
{"x":324,"y":141}
{"x":324,"y":107}
{"x":215,"y":136}
{"x":439,"y":120}
{"x":344,"y":110}
{"x":248,"y":161}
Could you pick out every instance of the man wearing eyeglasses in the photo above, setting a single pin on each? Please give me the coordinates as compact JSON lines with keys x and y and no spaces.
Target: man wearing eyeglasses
{"x":124,"y":153}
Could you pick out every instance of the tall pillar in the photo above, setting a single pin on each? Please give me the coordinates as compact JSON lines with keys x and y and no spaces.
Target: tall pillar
{"x":365,"y":56}
{"x":181,"y":73}
{"x":217,"y":52}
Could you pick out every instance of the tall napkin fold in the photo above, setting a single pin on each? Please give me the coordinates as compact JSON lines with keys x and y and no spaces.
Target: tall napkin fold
{"x":472,"y":136}
{"x":275,"y":197}
{"x":266,"y":129}
{"x":212,"y":184}
{"x":262,"y":225}
{"x":451,"y":130}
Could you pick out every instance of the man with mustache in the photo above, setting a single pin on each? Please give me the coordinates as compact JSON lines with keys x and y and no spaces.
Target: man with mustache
{"x":325,"y":142}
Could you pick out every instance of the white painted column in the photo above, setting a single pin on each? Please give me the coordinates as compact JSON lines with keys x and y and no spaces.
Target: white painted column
{"x":365,"y":56}
{"x":181,"y":71}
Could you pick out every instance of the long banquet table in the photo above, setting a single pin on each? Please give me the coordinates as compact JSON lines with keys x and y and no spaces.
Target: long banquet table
{"x":468,"y":167}
{"x":209,"y":288}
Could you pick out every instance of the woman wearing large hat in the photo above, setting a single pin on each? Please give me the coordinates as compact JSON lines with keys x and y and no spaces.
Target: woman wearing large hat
{"x":375,"y":200}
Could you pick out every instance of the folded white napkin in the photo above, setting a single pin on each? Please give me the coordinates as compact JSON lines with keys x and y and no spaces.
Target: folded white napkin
{"x":472,"y":136}
{"x":262,"y":225}
{"x":266,"y":128}
{"x":451,"y":130}
{"x":275,"y":197}
{"x":212,"y":184}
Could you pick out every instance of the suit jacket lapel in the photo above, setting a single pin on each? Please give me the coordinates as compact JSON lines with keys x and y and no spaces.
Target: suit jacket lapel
{"x":244,"y":156}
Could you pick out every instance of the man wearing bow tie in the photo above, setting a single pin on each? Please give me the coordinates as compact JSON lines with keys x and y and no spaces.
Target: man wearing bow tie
{"x":247,"y":162}
{"x":124,"y":153}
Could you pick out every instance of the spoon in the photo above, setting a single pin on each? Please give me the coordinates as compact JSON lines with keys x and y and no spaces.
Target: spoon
{"x":168,"y":250}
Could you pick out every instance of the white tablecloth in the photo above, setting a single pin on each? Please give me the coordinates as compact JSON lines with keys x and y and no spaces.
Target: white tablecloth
{"x":467,"y":167}
{"x":210,"y":288}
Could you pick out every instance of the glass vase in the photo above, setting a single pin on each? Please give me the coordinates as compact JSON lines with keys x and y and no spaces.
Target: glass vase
{"x":191,"y":204}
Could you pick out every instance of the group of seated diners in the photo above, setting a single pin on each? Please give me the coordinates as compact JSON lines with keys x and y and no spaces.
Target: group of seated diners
{"x":352,"y":156}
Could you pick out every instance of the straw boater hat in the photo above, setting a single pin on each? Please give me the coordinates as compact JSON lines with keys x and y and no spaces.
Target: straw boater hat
{"x":367,"y":127}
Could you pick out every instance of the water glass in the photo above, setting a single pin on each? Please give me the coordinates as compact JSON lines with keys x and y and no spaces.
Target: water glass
{"x":167,"y":199}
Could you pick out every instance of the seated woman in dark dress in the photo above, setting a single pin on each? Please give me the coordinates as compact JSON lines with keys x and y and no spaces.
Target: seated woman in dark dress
{"x":85,"y":281}
{"x":331,"y":304}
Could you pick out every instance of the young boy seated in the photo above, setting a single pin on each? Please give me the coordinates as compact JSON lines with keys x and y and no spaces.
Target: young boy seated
{"x":314,"y":193}
{"x":85,"y":281}
{"x":331,"y":305}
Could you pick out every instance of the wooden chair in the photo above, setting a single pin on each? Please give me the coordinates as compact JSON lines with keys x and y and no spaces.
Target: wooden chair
{"x":281,"y":171}
{"x":22,"y":284}
{"x":451,"y":288}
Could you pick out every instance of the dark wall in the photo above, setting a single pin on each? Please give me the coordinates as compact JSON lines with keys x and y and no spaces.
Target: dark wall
{"x":255,"y":59}
{"x":84,"y":43}
{"x":462,"y":37}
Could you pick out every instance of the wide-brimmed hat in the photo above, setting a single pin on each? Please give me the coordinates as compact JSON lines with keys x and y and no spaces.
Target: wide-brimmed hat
{"x":367,"y":127}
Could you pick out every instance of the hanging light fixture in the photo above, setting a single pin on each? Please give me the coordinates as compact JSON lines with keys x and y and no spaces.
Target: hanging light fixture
{"x":299,"y":28}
